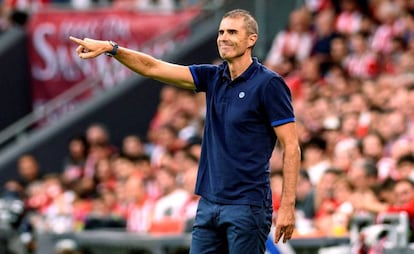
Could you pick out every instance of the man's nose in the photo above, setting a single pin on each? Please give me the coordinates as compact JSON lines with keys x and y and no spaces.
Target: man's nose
{"x":223,"y":36}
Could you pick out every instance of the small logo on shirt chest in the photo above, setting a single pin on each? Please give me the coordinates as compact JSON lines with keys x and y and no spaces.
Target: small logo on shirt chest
{"x":241,"y":95}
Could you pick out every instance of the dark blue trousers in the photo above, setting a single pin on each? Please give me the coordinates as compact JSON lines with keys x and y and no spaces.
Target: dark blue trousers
{"x":230,"y":229}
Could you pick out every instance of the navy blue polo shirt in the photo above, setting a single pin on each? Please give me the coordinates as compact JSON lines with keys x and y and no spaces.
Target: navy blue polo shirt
{"x":238,"y":133}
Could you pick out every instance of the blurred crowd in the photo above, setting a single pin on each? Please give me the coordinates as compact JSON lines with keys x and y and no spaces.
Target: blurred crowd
{"x":141,"y":186}
{"x":350,"y":67}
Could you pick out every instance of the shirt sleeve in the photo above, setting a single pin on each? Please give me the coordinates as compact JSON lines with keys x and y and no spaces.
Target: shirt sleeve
{"x":201,"y":75}
{"x":277,"y":102}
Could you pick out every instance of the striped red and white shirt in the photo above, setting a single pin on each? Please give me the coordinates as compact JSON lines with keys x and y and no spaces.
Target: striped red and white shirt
{"x":348,"y":22}
{"x":139,"y":216}
{"x":362,"y":65}
{"x":289,"y":43}
{"x":382,"y":39}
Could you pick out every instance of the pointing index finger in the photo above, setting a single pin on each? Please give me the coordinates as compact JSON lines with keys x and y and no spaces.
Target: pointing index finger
{"x":76,"y":40}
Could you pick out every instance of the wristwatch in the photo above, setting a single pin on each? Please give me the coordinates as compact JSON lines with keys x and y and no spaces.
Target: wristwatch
{"x":114,"y":49}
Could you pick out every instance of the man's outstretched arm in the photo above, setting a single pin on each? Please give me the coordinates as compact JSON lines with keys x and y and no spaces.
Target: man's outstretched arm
{"x":138,"y":62}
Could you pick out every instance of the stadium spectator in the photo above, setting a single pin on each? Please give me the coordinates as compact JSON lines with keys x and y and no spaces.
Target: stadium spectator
{"x":372,"y":146}
{"x":102,"y":214}
{"x":99,"y":146}
{"x":363,"y":175}
{"x":405,"y":166}
{"x":148,"y":174}
{"x":391,"y":26}
{"x":384,"y":191}
{"x":295,"y":41}
{"x":362,"y":62}
{"x":74,"y":162}
{"x":97,"y":134}
{"x":325,"y":202}
{"x":123,"y":167}
{"x":349,"y":122}
{"x":346,"y":151}
{"x":188,"y":119}
{"x":338,"y":50}
{"x":315,"y":161}
{"x":181,"y":160}
{"x":173,"y":197}
{"x":58,"y":214}
{"x":305,"y":205}
{"x":169,"y":209}
{"x":349,"y":17}
{"x":36,"y":196}
{"x":140,"y":206}
{"x":324,"y":30}
{"x":305,"y":82}
{"x":165,"y":112}
{"x":49,"y":206}
{"x":189,"y":209}
{"x":133,"y":146}
{"x":166,"y":143}
{"x":105,"y":177}
{"x":28,"y":169}
{"x":404,"y":202}
{"x":305,"y":196}
{"x":336,"y":221}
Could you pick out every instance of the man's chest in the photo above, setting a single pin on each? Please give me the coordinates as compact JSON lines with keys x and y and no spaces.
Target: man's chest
{"x":235,"y":103}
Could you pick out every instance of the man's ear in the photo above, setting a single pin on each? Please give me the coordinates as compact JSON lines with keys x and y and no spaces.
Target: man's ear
{"x":252,"y":40}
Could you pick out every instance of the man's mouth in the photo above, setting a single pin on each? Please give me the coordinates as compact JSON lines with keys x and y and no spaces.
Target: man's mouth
{"x":225,"y":46}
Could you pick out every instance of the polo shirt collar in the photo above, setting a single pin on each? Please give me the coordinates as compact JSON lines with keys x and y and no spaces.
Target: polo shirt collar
{"x":245,"y":75}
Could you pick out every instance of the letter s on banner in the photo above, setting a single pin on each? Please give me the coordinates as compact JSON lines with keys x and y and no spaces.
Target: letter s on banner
{"x":45,"y":51}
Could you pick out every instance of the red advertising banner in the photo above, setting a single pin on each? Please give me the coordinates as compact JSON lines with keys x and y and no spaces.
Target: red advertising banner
{"x":55,"y":66}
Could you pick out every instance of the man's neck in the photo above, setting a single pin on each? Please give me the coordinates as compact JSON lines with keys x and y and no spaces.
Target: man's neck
{"x":237,"y":67}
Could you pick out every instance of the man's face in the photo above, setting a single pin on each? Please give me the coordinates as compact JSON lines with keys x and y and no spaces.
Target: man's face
{"x":233,"y":39}
{"x":404,"y":193}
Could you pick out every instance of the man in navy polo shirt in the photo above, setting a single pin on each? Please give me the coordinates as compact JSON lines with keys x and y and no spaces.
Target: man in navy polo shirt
{"x":248,"y":110}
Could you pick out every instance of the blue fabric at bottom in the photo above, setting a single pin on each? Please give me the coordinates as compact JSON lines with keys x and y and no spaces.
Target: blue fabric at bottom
{"x":230,"y":229}
{"x":270,"y":246}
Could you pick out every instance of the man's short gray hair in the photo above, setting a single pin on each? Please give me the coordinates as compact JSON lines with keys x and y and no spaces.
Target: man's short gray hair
{"x":249,"y":20}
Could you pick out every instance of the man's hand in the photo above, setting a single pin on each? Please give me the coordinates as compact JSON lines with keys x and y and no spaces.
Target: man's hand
{"x":285,"y":223}
{"x":89,"y":48}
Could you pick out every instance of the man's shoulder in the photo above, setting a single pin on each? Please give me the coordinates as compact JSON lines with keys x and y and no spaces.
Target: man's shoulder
{"x":209,"y":69}
{"x":269,"y":72}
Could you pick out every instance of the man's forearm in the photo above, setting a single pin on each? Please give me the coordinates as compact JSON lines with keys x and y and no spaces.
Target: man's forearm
{"x":291,"y":164}
{"x":138,"y":62}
